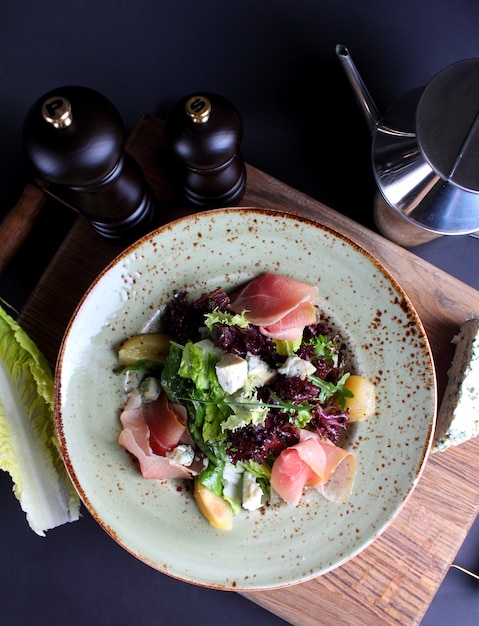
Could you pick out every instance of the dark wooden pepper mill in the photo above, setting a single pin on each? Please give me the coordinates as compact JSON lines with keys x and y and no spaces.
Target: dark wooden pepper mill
{"x":74,"y":139}
{"x":203,"y":132}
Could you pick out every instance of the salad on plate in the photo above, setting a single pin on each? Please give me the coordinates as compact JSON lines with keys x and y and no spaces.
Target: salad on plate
{"x":246,"y":396}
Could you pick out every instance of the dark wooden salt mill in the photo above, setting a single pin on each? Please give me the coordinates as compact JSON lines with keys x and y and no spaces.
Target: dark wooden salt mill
{"x":74,"y":139}
{"x":203,"y":132}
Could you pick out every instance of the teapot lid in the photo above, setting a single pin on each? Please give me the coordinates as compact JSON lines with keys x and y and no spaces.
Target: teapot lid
{"x":447,"y":124}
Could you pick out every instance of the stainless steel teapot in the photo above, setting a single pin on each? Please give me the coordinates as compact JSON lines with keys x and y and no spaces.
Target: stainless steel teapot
{"x":425,"y":154}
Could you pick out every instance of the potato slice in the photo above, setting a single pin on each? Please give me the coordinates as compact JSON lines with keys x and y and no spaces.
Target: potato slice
{"x":216,"y":510}
{"x":363,"y":404}
{"x":152,"y":347}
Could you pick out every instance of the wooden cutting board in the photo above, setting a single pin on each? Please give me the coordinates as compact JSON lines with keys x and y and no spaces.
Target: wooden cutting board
{"x":394,"y":580}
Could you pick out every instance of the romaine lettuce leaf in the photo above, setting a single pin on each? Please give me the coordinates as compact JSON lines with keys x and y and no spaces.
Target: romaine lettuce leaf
{"x":212,"y":475}
{"x":194,"y":365}
{"x":29,"y":449}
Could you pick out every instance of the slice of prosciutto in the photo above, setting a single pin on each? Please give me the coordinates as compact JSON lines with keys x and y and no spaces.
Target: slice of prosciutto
{"x":166,"y":422}
{"x":313,"y":462}
{"x":271,"y":298}
{"x":291,"y":326}
{"x":168,"y":432}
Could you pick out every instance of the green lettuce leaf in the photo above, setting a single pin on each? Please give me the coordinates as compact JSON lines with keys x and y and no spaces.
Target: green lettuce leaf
{"x":29,"y":449}
{"x":232,"y":481}
{"x":194,"y":365}
{"x":287,"y":348}
{"x":245,"y":409}
{"x":222,"y":317}
{"x":174,"y":385}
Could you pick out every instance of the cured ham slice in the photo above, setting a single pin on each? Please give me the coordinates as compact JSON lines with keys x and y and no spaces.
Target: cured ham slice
{"x":291,"y":326}
{"x":153,"y":465}
{"x":135,"y":437}
{"x":289,"y":476}
{"x":269,"y":297}
{"x":339,"y":468}
{"x":167,"y":424}
{"x":313,"y":462}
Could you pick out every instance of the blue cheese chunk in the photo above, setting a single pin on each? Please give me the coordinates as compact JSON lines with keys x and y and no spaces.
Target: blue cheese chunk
{"x":150,"y":389}
{"x":252,"y":492}
{"x":458,"y":418}
{"x":295,"y":366}
{"x":259,"y":371}
{"x":182,"y":454}
{"x":232,"y":373}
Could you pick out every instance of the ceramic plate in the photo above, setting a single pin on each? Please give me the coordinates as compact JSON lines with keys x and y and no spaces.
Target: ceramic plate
{"x":158,"y":522}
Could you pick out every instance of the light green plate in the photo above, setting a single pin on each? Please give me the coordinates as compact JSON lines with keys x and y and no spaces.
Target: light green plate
{"x":158,"y":522}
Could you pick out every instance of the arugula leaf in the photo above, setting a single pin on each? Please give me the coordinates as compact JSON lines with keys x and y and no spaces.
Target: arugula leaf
{"x":342,"y":392}
{"x":328,"y":390}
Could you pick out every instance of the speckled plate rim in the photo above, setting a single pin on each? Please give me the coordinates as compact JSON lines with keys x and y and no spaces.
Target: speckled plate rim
{"x":91,"y":500}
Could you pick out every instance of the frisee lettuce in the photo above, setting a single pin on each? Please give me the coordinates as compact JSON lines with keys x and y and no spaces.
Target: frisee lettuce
{"x":29,"y":449}
{"x":223,"y":317}
{"x":324,"y":347}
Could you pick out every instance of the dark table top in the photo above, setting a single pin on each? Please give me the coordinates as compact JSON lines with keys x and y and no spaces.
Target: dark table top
{"x":275,"y":61}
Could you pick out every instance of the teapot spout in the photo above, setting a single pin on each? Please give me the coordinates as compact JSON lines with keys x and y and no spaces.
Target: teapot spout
{"x":363,"y":96}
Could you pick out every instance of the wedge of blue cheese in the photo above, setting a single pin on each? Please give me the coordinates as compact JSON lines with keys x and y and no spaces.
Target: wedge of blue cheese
{"x":232,"y":373}
{"x":458,"y":418}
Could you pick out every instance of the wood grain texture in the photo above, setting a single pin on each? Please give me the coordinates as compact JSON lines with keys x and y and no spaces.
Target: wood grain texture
{"x":19,"y":221}
{"x":395,"y":578}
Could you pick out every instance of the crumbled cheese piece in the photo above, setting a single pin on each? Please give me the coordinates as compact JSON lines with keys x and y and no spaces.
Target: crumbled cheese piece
{"x":259,"y":371}
{"x":232,"y":373}
{"x":295,"y":366}
{"x":150,"y":389}
{"x":232,"y":481}
{"x":458,"y":418}
{"x":208,"y":346}
{"x":252,"y":492}
{"x":182,"y":454}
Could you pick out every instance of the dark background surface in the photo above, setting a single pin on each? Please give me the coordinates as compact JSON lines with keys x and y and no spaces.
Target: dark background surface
{"x":275,"y":61}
